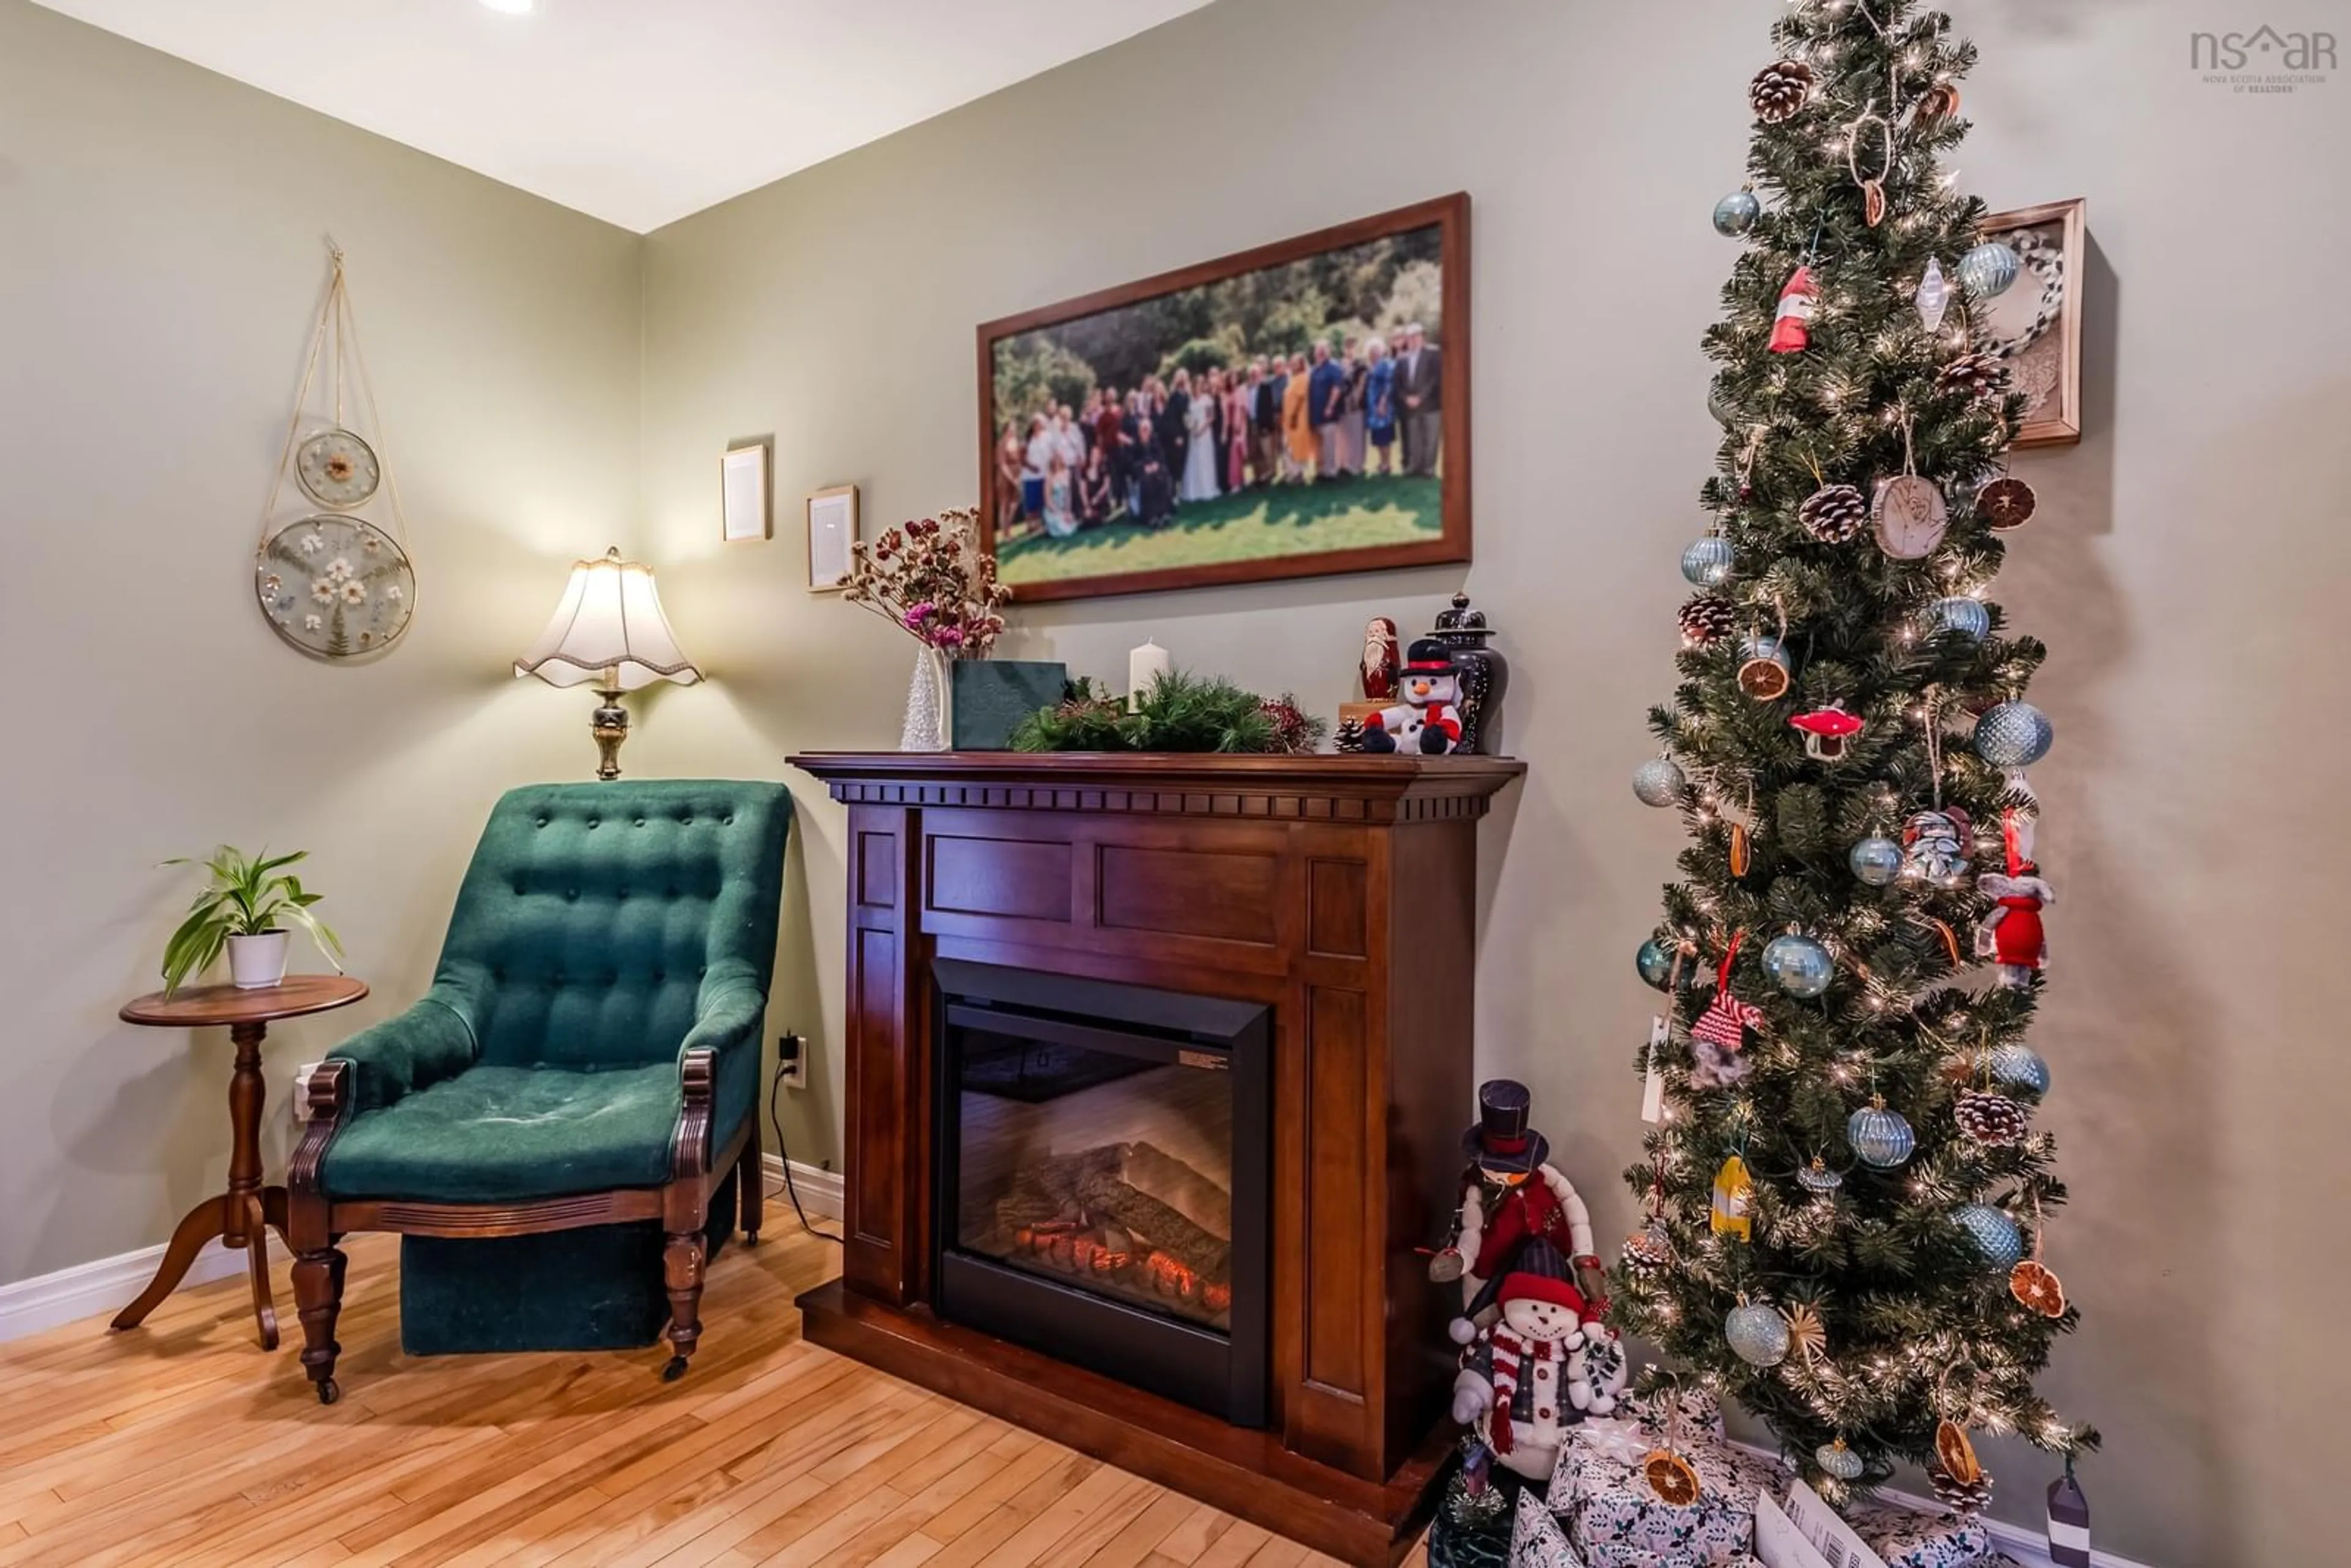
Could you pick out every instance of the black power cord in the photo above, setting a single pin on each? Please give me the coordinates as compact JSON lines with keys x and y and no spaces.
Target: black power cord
{"x":783,"y":1156}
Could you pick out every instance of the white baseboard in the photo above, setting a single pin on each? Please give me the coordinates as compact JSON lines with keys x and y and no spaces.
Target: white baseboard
{"x":103,"y":1285}
{"x":2029,"y":1548}
{"x":819,"y":1190}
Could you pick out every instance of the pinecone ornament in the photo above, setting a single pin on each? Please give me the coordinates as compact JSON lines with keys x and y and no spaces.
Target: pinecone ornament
{"x":1647,"y":1251}
{"x":1993,"y":1119}
{"x":1834,"y":514}
{"x":1781,"y":90}
{"x":1966,"y":1499}
{"x":1349,"y":736}
{"x":1978,"y":375}
{"x":1708,"y":619}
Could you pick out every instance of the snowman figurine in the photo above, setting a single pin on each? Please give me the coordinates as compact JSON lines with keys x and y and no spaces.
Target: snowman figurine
{"x":1428,"y":720}
{"x":1522,"y":1377}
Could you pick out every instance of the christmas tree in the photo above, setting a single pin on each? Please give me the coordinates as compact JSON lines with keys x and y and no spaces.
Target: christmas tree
{"x":1844,"y":1192}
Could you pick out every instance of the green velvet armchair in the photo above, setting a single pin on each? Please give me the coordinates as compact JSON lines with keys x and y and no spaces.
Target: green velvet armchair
{"x":588,"y":1054}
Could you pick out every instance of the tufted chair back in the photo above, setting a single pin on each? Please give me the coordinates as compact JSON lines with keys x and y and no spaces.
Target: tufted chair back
{"x":596,"y":917}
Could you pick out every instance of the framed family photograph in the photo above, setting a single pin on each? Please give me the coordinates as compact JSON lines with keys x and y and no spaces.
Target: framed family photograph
{"x":1294,"y":410}
{"x":2036,"y":324}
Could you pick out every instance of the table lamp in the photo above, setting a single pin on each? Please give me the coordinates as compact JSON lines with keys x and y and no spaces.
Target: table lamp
{"x":609,"y":629}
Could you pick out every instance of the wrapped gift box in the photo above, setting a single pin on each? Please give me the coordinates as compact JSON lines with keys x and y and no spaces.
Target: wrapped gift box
{"x":1906,"y":1538}
{"x":1615,"y":1521}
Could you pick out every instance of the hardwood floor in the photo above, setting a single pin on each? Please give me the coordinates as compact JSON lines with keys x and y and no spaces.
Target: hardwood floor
{"x":180,"y":1442}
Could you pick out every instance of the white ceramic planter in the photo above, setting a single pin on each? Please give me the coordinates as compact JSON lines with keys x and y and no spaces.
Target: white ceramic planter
{"x":256,"y":962}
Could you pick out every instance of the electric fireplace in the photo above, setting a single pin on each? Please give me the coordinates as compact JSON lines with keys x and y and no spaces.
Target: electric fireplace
{"x":1102,"y":1154}
{"x":1155,"y":1072}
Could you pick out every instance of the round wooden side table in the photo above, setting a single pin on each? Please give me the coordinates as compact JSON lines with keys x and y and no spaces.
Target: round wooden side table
{"x":241,"y":1216}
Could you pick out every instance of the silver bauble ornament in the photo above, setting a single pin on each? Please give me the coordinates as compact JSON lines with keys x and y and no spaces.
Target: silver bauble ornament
{"x":1817,"y":1177}
{"x":1994,"y":1234}
{"x":2014,"y":734}
{"x":1656,"y":962}
{"x":1707,"y":562}
{"x":1757,"y":1333}
{"x":1836,"y":1459}
{"x":1720,"y":407}
{"x":1934,"y":297}
{"x":1876,"y":860}
{"x":1987,"y":271}
{"x":1659,"y":781}
{"x":1800,"y":965}
{"x":1881,"y":1137}
{"x":1960,"y":616}
{"x":1735,"y":214}
{"x":2019,"y":1067}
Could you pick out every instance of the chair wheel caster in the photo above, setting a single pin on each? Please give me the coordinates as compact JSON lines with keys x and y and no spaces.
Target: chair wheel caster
{"x":675,"y":1370}
{"x":329,"y":1391}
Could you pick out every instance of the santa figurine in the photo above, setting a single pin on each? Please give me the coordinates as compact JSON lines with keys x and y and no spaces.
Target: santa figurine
{"x":1521,"y":1385}
{"x":2010,"y":936}
{"x":1381,"y":659}
{"x":1791,"y":326}
{"x":1428,"y":720}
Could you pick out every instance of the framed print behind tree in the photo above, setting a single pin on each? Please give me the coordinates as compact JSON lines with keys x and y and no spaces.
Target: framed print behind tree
{"x":1294,"y":410}
{"x":2036,"y":324}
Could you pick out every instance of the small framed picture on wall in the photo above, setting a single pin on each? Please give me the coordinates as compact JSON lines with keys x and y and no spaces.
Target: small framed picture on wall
{"x":832,"y":530}
{"x":743,"y":492}
{"x":2035,"y":324}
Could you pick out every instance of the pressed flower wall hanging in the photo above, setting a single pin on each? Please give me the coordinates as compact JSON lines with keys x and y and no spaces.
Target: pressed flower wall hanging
{"x":330,"y":581}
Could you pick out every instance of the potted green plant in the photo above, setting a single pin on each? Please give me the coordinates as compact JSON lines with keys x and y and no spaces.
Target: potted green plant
{"x":246,"y":907}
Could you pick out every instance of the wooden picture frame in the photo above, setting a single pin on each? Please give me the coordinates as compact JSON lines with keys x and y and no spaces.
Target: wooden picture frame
{"x":2036,"y":324}
{"x":745,"y":475}
{"x":1374,"y":518}
{"x":833,"y":528}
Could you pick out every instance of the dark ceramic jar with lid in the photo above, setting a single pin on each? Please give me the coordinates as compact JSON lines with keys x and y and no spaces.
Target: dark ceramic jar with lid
{"x":1485,"y":674}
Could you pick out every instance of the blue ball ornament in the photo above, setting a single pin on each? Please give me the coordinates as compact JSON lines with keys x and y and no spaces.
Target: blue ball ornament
{"x":2020,"y":1067}
{"x":1988,"y":271}
{"x":1876,"y":860}
{"x":1960,"y":616}
{"x":1994,"y":1234}
{"x":1707,"y":562}
{"x":1800,"y":965}
{"x":1659,"y":781}
{"x":1757,"y":1333}
{"x":1735,"y":214}
{"x":1656,"y":962}
{"x":2014,"y":735}
{"x":1881,"y":1137}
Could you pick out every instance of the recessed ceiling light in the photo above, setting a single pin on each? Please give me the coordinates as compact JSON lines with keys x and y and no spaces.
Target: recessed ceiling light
{"x":513,"y":8}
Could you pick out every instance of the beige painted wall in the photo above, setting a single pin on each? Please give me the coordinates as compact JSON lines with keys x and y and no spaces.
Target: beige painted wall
{"x":160,"y":263}
{"x":2184,"y":574}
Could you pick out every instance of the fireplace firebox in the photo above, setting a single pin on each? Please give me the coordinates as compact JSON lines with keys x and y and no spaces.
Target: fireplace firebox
{"x":1103,"y":1157}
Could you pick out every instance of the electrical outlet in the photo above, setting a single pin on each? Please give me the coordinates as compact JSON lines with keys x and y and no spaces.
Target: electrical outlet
{"x":791,"y":1061}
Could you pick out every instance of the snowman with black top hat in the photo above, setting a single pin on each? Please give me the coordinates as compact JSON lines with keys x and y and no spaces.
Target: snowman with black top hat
{"x":1428,"y":720}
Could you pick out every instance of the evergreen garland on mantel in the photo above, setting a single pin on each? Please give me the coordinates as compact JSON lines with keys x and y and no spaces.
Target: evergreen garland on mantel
{"x":1904,"y":1327}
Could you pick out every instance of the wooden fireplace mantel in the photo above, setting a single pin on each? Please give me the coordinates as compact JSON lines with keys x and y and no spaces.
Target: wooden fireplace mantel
{"x":1339,"y":893}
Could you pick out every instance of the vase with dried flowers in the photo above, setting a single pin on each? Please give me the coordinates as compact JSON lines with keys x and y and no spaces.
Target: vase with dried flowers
{"x":931,"y":580}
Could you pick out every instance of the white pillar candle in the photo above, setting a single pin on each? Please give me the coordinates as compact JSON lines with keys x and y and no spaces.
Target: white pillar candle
{"x":1144,"y":665}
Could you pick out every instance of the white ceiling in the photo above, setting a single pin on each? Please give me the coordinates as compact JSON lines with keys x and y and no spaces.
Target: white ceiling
{"x":637,"y":112}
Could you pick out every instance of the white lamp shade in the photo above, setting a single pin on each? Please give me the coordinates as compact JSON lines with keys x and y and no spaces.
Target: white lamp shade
{"x":610,"y":624}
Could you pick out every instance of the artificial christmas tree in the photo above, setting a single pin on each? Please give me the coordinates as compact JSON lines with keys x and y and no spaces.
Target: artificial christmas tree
{"x":1828,"y":1038}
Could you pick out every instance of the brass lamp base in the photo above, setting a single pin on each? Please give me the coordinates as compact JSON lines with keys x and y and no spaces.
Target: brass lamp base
{"x":610,"y":724}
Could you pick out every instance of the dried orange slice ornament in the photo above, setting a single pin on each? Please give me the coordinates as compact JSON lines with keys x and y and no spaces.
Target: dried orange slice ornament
{"x":1957,"y":1455}
{"x":2035,"y":1285}
{"x":1671,"y":1478}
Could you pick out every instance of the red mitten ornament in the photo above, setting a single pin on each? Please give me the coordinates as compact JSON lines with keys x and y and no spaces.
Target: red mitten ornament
{"x":1792,"y":333}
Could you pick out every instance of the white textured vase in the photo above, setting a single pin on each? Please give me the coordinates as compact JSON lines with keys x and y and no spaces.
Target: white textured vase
{"x":927,"y":705}
{"x":256,"y":963}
